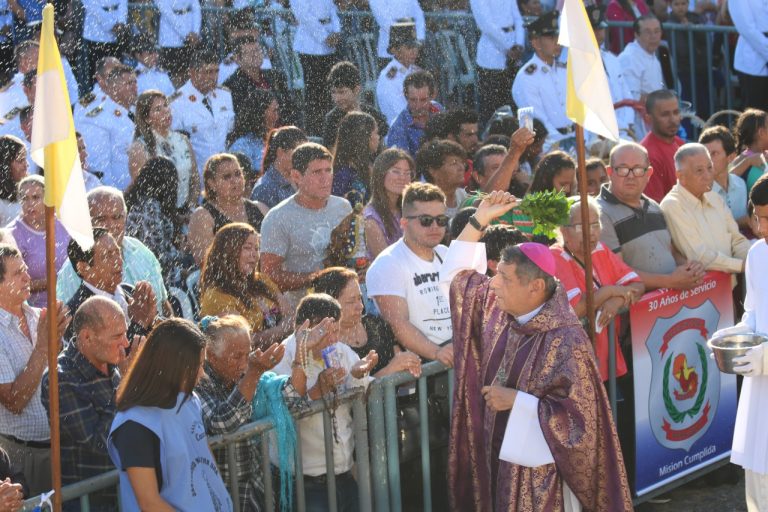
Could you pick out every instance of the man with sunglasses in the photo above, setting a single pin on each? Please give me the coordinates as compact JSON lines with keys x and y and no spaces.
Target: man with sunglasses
{"x":403,"y":279}
{"x":633,"y":224}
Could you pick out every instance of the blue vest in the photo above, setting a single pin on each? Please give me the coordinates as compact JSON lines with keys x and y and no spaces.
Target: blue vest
{"x":191,"y":480}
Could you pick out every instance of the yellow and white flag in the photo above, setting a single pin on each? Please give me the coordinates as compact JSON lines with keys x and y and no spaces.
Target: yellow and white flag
{"x":54,"y":145}
{"x":588,"y":99}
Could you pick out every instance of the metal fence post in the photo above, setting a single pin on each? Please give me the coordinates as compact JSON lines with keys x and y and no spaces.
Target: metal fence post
{"x":424,"y":435}
{"x":393,"y":448}
{"x":330,"y":467}
{"x":234,"y":483}
{"x":266,"y":472}
{"x":360,"y":420}
{"x":378,"y":448}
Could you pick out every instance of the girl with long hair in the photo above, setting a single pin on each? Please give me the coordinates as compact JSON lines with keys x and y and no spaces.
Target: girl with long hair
{"x":157,"y":440}
{"x":13,"y":167}
{"x":153,"y":217}
{"x":154,"y":137}
{"x":392,"y":171}
{"x":230,"y":283}
{"x":357,"y":144}
{"x":252,"y":126}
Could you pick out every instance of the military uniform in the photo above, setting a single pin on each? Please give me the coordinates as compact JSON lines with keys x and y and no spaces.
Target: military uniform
{"x":107,"y":129}
{"x":501,"y":27}
{"x":87,"y":103}
{"x":389,"y":89}
{"x":153,"y":78}
{"x":387,"y":12}
{"x":317,"y":19}
{"x":101,"y":17}
{"x":207,"y":129}
{"x":178,"y":19}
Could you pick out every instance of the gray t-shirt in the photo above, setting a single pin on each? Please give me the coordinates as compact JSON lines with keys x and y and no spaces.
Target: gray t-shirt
{"x":640,"y":235}
{"x":300,"y":235}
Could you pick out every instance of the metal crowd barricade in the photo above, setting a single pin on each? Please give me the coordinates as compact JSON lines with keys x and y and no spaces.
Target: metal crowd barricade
{"x":258,"y":429}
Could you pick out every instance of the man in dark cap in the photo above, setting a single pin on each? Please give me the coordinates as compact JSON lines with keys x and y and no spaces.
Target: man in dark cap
{"x":530,"y":423}
{"x":404,"y":46}
{"x":541,"y":82}
{"x":149,"y":75}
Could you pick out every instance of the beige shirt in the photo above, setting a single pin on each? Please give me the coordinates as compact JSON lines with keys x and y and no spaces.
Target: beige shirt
{"x":704,"y":230}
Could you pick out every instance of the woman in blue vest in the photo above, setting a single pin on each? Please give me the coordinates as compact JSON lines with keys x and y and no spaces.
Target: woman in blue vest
{"x":157,"y":438}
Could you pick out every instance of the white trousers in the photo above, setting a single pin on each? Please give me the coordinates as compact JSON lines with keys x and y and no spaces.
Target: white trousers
{"x":756,"y":485}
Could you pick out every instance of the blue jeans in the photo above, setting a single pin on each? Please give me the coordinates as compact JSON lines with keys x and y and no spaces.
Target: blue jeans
{"x":316,"y":493}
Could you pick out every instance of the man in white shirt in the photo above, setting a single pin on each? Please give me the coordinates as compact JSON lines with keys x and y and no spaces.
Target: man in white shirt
{"x":24,"y":430}
{"x":389,"y":12}
{"x":750,"y":449}
{"x":502,"y":41}
{"x":104,"y":29}
{"x":404,"y":45}
{"x":642,"y":68}
{"x":403,"y":279}
{"x":202,"y":110}
{"x":318,"y":35}
{"x":751,"y":58}
{"x":149,"y":75}
{"x":541,"y":82}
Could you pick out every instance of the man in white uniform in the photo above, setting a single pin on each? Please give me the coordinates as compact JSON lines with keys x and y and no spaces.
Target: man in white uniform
{"x":108,"y":128}
{"x":148,"y":72}
{"x":103,"y":29}
{"x":403,"y":43}
{"x":180,"y":22}
{"x":541,"y":82}
{"x":502,"y":39}
{"x":203,"y":110}
{"x":751,"y":57}
{"x":389,"y":12}
{"x":750,"y":444}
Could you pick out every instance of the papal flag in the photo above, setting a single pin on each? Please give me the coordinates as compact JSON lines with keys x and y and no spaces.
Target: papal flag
{"x":54,"y":145}
{"x":588,"y":98}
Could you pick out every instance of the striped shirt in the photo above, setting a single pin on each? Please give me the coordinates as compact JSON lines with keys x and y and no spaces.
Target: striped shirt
{"x":15,"y":351}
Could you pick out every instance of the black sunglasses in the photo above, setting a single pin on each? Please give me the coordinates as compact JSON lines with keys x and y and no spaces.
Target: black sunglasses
{"x":427,"y":220}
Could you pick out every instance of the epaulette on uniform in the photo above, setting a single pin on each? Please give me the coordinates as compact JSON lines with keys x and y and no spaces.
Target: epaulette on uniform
{"x":87,"y":99}
{"x":95,"y":112}
{"x":174,"y":96}
{"x":392,"y":73}
{"x":12,"y":113}
{"x":531,"y":68}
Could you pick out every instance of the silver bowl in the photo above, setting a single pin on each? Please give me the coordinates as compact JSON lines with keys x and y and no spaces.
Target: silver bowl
{"x":725,"y":348}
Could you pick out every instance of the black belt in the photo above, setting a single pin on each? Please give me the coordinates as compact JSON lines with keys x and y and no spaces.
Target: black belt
{"x":111,"y":8}
{"x":508,"y":29}
{"x":28,"y":444}
{"x":323,"y":479}
{"x":566,"y":130}
{"x":182,"y":11}
{"x":325,"y":21}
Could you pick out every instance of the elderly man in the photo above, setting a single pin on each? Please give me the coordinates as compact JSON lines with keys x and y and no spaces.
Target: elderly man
{"x":107,"y":208}
{"x":24,"y":431}
{"x":89,"y":371}
{"x":523,"y":361}
{"x":232,"y":374}
{"x":700,"y":222}
{"x":634,"y":226}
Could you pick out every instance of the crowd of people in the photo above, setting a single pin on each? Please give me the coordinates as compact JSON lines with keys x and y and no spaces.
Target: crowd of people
{"x":254,"y":252}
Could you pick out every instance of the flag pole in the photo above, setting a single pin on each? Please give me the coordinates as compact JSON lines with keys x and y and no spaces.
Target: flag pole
{"x":53,"y":353}
{"x":585,"y":230}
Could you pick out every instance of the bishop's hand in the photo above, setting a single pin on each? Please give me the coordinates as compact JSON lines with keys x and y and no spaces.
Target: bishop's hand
{"x":499,"y":398}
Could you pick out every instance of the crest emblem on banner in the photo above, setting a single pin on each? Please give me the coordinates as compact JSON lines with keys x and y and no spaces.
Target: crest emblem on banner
{"x":685,"y":384}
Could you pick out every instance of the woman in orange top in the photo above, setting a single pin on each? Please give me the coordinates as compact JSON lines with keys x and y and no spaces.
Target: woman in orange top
{"x":616,"y":284}
{"x":230,"y":284}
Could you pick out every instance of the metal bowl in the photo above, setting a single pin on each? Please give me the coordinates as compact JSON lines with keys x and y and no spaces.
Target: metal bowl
{"x":725,"y":348}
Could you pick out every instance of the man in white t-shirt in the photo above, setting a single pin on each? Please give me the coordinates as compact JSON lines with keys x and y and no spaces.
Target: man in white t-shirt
{"x":404,"y":277}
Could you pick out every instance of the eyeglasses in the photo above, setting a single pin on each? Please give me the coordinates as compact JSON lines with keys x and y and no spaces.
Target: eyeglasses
{"x":427,"y":220}
{"x":637,"y":172}
{"x":594,"y":226}
{"x":394,"y":171}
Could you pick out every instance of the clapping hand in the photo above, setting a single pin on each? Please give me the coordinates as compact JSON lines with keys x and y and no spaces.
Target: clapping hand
{"x":365,"y":365}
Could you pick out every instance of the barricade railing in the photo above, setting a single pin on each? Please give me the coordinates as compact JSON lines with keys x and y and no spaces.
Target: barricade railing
{"x":718,"y":86}
{"x":354,"y":397}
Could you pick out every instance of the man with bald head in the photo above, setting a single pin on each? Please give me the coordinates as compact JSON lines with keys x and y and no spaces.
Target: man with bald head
{"x":108,"y":210}
{"x":700,"y":222}
{"x":89,"y":371}
{"x":634,"y":226}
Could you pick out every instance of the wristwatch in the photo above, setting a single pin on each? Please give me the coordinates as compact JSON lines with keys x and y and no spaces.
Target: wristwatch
{"x":476,"y":223}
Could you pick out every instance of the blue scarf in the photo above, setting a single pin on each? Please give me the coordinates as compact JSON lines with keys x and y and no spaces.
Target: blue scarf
{"x":269,"y":403}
